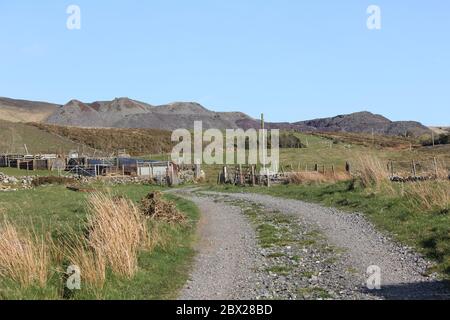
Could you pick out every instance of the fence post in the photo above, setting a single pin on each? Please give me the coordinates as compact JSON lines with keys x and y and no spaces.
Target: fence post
{"x":435,"y":167}
{"x":225,"y":174}
{"x":253,"y":176}
{"x":241,"y":176}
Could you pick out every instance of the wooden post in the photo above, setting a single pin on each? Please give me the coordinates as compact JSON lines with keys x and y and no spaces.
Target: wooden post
{"x":414,"y":168}
{"x":316,"y":167}
{"x":348,"y":167}
{"x":332,"y":170}
{"x":435,"y":167}
{"x":225,"y":174}
{"x":253,"y":178}
{"x":241,"y":176}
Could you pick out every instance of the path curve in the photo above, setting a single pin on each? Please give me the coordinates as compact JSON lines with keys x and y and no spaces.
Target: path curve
{"x":229,"y":256}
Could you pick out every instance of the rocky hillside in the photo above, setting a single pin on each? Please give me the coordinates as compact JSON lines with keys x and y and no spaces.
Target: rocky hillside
{"x":128,"y":113}
{"x":25,"y":111}
{"x":366,"y":122}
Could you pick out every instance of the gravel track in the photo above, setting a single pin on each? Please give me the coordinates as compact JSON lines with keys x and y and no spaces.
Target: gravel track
{"x":230,"y":263}
{"x":226,"y":256}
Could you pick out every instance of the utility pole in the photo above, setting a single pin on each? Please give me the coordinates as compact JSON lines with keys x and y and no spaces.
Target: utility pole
{"x":263,"y":141}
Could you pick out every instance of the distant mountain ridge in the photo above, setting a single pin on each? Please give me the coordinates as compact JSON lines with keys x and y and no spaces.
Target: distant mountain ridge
{"x":128,"y":113}
{"x":367,"y":122}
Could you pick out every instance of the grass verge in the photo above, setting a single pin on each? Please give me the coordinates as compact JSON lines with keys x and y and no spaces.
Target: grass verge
{"x":162,"y":267}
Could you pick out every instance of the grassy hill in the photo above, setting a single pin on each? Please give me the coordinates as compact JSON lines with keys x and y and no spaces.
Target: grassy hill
{"x":16,"y":135}
{"x":14,"y":110}
{"x":135,"y":141}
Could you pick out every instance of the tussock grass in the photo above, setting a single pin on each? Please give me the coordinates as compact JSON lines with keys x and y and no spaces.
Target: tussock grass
{"x":429,"y":195}
{"x":24,"y":257}
{"x":371,"y":171}
{"x":92,"y":265}
{"x":442,"y":173}
{"x":117,"y":230}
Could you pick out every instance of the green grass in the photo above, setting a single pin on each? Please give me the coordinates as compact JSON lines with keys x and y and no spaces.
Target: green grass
{"x":428,"y":231}
{"x":162,"y":271}
{"x":16,"y":135}
{"x":280,"y":270}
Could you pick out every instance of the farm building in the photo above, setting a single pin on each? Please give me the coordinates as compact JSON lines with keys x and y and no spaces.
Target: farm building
{"x":162,"y":171}
{"x":32,"y":162}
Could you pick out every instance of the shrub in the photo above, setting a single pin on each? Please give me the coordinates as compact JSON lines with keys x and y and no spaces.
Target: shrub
{"x":155,"y":207}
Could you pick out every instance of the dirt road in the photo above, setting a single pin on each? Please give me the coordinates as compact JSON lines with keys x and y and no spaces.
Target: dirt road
{"x":259,"y":247}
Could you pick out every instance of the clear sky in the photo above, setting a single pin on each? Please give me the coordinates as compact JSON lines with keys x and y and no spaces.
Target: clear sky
{"x":291,"y":59}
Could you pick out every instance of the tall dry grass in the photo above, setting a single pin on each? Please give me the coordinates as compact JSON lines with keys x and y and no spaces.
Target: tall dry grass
{"x":117,"y":230}
{"x":317,"y":177}
{"x":371,"y":171}
{"x":24,"y":257}
{"x":429,"y":195}
{"x":442,"y":173}
{"x":92,"y":265}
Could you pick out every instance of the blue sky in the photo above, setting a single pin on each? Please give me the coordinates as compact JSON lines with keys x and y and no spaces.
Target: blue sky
{"x":291,"y":59}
